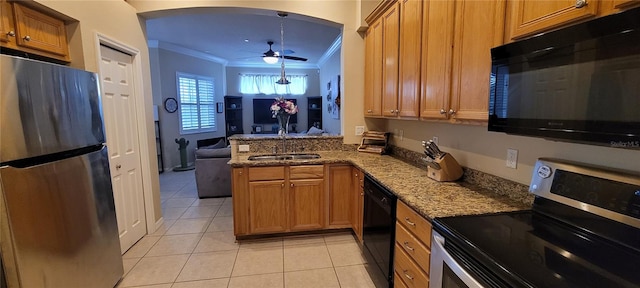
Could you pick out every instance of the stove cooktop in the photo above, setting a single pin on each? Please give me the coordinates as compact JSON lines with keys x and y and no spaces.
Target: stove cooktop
{"x":529,"y":249}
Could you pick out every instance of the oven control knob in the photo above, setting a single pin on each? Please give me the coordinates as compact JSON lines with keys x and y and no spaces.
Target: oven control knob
{"x":544,"y":171}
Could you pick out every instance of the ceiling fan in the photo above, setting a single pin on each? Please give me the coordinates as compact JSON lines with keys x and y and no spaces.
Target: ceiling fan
{"x":272,"y":57}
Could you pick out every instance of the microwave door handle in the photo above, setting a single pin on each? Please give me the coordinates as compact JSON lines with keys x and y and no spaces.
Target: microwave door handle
{"x":438,"y":242}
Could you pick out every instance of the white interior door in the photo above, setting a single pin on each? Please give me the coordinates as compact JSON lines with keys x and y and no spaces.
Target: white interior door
{"x":119,"y":106}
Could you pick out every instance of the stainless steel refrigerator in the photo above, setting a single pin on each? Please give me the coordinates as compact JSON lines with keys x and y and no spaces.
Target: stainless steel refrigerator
{"x":57,"y":216}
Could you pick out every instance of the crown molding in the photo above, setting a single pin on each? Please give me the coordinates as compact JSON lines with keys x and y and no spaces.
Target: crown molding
{"x":337,"y":43}
{"x":185,"y":51}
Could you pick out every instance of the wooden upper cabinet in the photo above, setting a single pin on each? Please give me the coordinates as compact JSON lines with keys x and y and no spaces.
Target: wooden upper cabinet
{"x":409,"y":60}
{"x":437,"y":47}
{"x":390,"y":34}
{"x":27,"y":30}
{"x":477,"y":30}
{"x":7,"y":27}
{"x":530,"y":17}
{"x":373,"y":70}
{"x":40,"y":31}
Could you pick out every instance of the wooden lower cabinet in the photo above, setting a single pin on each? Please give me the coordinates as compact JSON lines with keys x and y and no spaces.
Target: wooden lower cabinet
{"x":267,"y":207}
{"x":412,"y":247}
{"x":278,"y":199}
{"x":340,"y":197}
{"x":357,"y":205}
{"x":306,"y":204}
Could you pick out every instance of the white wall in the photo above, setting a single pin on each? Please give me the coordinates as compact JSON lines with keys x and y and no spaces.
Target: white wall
{"x":233,"y":89}
{"x":166,"y":65}
{"x":328,"y":71}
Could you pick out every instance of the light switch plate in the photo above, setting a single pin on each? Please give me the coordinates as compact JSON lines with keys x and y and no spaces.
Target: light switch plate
{"x":359,"y":130}
{"x":512,"y":158}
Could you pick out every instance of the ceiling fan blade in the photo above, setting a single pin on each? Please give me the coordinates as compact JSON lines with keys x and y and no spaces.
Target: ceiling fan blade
{"x":294,"y":58}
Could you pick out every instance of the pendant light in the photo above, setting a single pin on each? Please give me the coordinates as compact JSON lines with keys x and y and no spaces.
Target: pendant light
{"x":283,"y":78}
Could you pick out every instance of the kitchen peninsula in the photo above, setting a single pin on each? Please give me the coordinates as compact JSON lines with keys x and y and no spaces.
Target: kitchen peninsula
{"x":280,"y":196}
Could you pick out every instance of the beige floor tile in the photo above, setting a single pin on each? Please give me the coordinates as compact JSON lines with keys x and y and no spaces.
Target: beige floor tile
{"x":306,"y":257}
{"x":217,"y":241}
{"x":184,"y":226}
{"x":166,"y":224}
{"x":187,"y":191}
{"x":175,"y":244}
{"x":151,"y":286}
{"x":261,"y":243}
{"x":155,"y":270}
{"x":355,"y":276}
{"x":320,"y":278}
{"x":275,"y":280}
{"x":221,"y":223}
{"x":179,"y":202}
{"x":225,"y":210}
{"x":128,"y":264}
{"x":345,"y":253}
{"x":167,"y":195}
{"x":339,"y":237}
{"x":208,"y":202}
{"x":142,"y":247}
{"x":228,"y":200}
{"x":253,"y":261}
{"x":200,"y":212}
{"x":172,"y":213}
{"x":213,"y":283}
{"x":212,"y":265}
{"x":303,"y":240}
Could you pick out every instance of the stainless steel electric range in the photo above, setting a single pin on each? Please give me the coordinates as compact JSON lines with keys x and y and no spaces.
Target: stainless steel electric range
{"x":582,"y":231}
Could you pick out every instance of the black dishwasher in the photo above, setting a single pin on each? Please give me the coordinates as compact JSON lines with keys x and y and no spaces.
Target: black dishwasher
{"x":379,"y":231}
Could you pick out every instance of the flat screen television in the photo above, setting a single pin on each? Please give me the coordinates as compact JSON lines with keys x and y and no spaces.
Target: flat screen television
{"x":262,"y":111}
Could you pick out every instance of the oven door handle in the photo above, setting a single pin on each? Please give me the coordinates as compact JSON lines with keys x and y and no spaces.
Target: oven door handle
{"x":439,"y":252}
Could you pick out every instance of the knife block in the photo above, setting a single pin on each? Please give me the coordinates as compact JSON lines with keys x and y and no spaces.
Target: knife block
{"x":449,"y":170}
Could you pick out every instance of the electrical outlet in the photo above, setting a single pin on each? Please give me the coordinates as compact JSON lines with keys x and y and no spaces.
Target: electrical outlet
{"x":435,"y":139}
{"x":243,"y":148}
{"x":512,"y":158}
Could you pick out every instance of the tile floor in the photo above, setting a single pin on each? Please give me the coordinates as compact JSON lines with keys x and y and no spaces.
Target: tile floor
{"x":196,"y":248}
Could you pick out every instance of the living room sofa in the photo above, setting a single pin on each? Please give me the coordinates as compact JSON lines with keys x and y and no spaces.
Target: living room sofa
{"x":213,"y":174}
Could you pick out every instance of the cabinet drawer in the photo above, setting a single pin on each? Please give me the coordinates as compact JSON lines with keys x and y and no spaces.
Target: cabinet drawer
{"x":414,"y":223}
{"x":413,"y":247}
{"x":398,"y":282}
{"x":266,"y":173}
{"x":306,"y":172}
{"x":408,"y":271}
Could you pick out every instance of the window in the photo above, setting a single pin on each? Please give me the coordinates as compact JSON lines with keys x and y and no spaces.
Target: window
{"x":197,"y":104}
{"x":266,"y":84}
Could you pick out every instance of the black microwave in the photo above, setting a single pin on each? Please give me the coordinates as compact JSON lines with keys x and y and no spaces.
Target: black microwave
{"x":577,"y":84}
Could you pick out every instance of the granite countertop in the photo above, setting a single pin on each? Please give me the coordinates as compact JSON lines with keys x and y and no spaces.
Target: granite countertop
{"x":276,"y":136}
{"x":428,"y":197}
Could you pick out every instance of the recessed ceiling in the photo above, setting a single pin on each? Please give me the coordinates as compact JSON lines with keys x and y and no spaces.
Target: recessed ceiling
{"x":224,"y":35}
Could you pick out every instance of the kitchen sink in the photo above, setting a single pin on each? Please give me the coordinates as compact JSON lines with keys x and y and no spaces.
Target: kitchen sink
{"x":273,"y":157}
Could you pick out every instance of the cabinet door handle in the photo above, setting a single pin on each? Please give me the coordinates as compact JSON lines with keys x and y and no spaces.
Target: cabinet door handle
{"x":282,"y":185}
{"x":369,"y":111}
{"x":27,"y":38}
{"x":407,"y":275}
{"x":406,"y":219}
{"x":397,"y":111}
{"x":406,"y":245}
{"x":391,"y":111}
{"x":291,"y":184}
{"x":581,"y":3}
{"x":240,"y":173}
{"x":11,"y":34}
{"x":451,"y":111}
{"x":442,"y":111}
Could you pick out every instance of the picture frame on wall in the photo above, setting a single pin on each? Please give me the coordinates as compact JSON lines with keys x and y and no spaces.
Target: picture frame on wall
{"x":219,"y":107}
